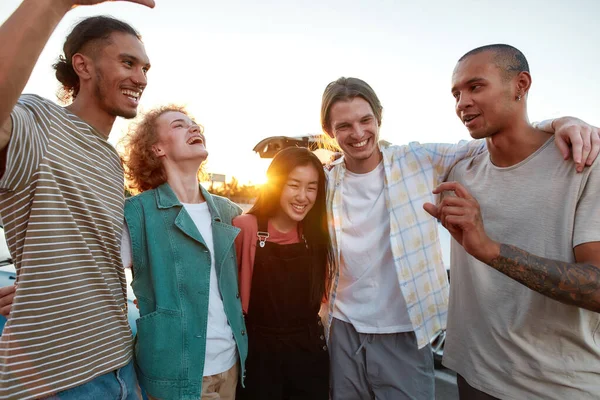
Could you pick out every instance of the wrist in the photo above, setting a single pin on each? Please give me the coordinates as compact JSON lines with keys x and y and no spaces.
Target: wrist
{"x":489,"y":252}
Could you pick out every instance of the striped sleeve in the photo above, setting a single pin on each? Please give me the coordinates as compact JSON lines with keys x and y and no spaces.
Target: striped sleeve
{"x":444,"y":156}
{"x":28,"y":141}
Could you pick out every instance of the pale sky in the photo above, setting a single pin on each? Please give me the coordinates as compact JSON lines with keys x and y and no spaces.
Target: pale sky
{"x":249,"y":70}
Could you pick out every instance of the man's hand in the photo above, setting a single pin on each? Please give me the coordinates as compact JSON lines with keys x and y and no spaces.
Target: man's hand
{"x":75,"y":3}
{"x":575,"y":135}
{"x":461,"y":215}
{"x":7,"y":294}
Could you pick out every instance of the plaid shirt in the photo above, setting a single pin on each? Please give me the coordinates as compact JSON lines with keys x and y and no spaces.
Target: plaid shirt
{"x":411,"y":173}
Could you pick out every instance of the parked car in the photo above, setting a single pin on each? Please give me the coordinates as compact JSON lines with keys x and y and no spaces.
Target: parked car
{"x":8,"y":276}
{"x":268,"y":147}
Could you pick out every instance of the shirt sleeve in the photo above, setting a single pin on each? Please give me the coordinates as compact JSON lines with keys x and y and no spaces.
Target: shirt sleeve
{"x":126,"y":249}
{"x":31,"y":124}
{"x":245,"y":255}
{"x":587,"y":214}
{"x":444,"y":156}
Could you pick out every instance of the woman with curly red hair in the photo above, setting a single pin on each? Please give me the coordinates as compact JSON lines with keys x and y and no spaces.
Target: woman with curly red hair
{"x":191,"y":338}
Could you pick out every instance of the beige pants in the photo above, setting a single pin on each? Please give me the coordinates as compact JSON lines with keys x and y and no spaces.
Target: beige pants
{"x":219,"y":386}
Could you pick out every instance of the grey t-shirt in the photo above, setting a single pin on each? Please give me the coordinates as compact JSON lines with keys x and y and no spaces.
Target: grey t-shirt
{"x":503,"y":338}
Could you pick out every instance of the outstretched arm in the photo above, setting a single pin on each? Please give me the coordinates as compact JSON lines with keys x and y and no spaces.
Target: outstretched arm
{"x":22,"y":39}
{"x":576,"y":283}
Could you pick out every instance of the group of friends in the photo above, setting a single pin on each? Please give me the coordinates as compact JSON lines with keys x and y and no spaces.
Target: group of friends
{"x":332,"y":285}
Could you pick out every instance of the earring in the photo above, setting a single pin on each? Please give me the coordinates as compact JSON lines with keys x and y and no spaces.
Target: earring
{"x":519,"y":98}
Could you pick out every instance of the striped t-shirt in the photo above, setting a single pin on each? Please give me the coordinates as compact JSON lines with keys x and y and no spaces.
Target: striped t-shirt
{"x":61,"y":201}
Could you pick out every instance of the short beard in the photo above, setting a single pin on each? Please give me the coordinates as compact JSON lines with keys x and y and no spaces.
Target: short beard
{"x":100,"y":95}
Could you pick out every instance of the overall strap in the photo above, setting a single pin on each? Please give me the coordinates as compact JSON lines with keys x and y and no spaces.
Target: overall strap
{"x":263,"y":230}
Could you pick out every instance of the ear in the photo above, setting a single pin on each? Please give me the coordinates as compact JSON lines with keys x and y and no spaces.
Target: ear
{"x":158,"y":151}
{"x":83,"y":66}
{"x":523,"y":83}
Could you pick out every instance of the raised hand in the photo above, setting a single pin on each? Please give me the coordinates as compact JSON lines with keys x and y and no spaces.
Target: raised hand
{"x":461,"y":215}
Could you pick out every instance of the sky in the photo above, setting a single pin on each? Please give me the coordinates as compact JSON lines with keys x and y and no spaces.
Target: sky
{"x":250,"y":70}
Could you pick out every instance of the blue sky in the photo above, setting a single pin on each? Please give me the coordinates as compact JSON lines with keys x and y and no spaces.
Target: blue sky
{"x":248,"y":70}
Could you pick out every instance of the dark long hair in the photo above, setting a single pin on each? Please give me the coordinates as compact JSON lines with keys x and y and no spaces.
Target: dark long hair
{"x":314,"y":225}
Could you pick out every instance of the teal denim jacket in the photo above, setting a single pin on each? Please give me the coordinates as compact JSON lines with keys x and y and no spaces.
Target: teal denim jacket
{"x":171,"y":269}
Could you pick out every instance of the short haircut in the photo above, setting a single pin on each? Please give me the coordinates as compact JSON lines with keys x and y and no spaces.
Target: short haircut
{"x":88,"y":31}
{"x":346,"y":89}
{"x":508,"y":58}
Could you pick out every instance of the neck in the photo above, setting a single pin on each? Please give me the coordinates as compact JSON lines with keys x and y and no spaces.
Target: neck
{"x":283,"y":223}
{"x":184,"y":183}
{"x":87,"y":109}
{"x":513,"y":145}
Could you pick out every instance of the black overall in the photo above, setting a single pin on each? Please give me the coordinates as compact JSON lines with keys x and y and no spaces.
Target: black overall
{"x":287,"y":352}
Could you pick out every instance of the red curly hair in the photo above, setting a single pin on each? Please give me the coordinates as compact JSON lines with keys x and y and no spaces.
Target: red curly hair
{"x":143,"y":169}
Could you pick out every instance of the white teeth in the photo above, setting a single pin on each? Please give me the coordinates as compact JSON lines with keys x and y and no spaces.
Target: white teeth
{"x":299,"y":208}
{"x":194,"y":140}
{"x":360,"y":144}
{"x":131,"y":93}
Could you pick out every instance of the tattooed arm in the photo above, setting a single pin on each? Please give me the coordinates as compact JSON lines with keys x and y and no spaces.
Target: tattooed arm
{"x":577,"y":284}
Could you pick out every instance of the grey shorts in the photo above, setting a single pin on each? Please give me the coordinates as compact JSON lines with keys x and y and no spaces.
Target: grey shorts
{"x":378,"y":366}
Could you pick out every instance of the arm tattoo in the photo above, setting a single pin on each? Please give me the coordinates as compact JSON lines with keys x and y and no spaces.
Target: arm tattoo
{"x":570,"y":283}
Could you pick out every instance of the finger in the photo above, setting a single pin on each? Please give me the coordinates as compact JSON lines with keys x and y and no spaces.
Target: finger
{"x":564,"y":148}
{"x":595,"y":150}
{"x":460,"y":221}
{"x":431,"y":209}
{"x":5,"y":311}
{"x":7,"y":290}
{"x":453,"y":187}
{"x":576,"y":146}
{"x":586,"y":137}
{"x":448,"y":210}
{"x":7,"y":298}
{"x":455,"y":201}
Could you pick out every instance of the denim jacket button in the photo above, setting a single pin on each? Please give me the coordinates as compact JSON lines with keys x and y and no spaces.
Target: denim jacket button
{"x":243,"y":332}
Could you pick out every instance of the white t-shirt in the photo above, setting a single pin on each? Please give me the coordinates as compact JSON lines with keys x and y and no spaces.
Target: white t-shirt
{"x":368,"y":293}
{"x":221,"y":351}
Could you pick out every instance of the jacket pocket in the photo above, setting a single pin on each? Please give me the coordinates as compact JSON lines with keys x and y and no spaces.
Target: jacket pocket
{"x":159,"y":345}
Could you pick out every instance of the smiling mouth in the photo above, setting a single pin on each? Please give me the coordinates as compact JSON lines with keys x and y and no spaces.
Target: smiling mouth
{"x":298,"y":207}
{"x":469,"y":118}
{"x":195,"y":140}
{"x":360,"y":144}
{"x":132,"y":94}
